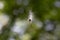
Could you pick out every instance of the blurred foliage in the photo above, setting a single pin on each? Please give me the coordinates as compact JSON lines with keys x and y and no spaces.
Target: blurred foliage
{"x":43,"y":9}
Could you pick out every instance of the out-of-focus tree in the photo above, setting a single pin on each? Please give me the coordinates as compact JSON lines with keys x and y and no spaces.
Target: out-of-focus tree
{"x":46,"y":15}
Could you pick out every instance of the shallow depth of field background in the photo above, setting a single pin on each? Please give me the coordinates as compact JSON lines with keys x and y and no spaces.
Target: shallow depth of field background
{"x":29,"y":19}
